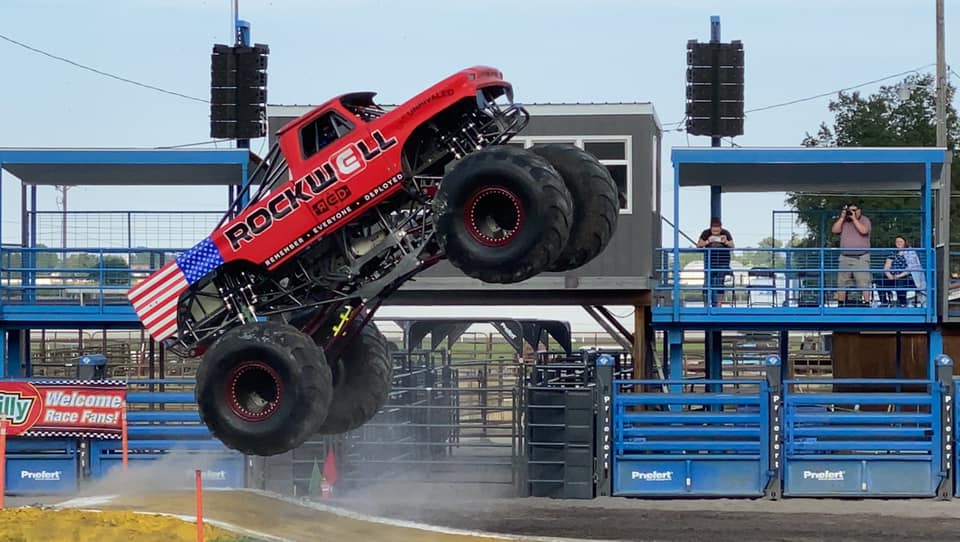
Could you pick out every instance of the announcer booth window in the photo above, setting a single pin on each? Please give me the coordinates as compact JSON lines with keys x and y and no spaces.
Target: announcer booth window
{"x":614,"y":152}
{"x":322,"y":131}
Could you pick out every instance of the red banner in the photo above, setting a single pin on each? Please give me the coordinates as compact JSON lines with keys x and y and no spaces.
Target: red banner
{"x":63,"y":408}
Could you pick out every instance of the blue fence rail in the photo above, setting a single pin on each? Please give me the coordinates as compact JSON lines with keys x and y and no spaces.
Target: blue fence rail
{"x":806,"y":284}
{"x":795,"y":438}
{"x":76,"y":277}
{"x":953,"y":297}
{"x":165,"y":426}
{"x":715,"y":441}
{"x":865,"y":442}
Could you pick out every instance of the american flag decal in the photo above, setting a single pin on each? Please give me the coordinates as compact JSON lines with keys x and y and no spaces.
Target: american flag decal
{"x":155,"y":299}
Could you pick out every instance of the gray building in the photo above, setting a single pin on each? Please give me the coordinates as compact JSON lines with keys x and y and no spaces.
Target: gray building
{"x":626,"y":137}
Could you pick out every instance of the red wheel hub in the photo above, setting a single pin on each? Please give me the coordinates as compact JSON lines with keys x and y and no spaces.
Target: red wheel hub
{"x":253,"y":391}
{"x":493,"y":216}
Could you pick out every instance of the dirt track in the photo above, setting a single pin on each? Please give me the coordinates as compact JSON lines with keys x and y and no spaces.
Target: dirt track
{"x":279,"y":518}
{"x":708,"y":525}
{"x":717,"y":520}
{"x":607,"y":519}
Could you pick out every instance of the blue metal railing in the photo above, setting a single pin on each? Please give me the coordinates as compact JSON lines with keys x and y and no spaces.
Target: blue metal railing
{"x":160,"y":423}
{"x":149,"y":418}
{"x":793,"y":281}
{"x":863,"y":438}
{"x":953,"y":268}
{"x":691,"y":443}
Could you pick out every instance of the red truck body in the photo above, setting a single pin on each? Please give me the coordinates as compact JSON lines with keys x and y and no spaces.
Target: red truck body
{"x":330,"y":183}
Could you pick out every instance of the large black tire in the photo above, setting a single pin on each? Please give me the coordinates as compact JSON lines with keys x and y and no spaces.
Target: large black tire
{"x":364,"y":383}
{"x":263,"y":388}
{"x":595,"y":207}
{"x":504,"y":214}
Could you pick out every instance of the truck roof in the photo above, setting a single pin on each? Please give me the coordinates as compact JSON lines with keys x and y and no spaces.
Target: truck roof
{"x":453,"y":79}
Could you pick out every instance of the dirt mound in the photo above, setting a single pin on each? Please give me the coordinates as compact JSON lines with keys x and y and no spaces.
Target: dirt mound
{"x":36,"y":524}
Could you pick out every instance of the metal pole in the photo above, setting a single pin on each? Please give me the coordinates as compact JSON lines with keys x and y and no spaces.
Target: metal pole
{"x":715,"y":141}
{"x":943,"y":382}
{"x":63,"y":222}
{"x":234,"y":17}
{"x":714,"y":338}
{"x":243,"y":40}
{"x":774,"y":374}
{"x":24,"y":219}
{"x":603,"y":424}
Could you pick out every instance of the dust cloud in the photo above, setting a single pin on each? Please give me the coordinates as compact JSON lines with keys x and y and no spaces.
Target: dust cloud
{"x":465,"y":479}
{"x":174,"y":471}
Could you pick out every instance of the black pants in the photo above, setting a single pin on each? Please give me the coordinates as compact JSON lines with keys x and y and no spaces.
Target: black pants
{"x":716,"y":279}
{"x":898,"y":286}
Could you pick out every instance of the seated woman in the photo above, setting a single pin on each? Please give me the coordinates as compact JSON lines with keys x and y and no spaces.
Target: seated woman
{"x":900,"y":270}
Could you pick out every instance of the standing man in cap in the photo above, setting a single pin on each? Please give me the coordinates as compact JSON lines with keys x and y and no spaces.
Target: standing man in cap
{"x":854,"y":259}
{"x":718,"y":242}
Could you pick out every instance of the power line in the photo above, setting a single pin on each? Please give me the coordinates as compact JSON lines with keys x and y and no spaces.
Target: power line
{"x":100,"y":72}
{"x":821,"y":95}
{"x":825,"y":94}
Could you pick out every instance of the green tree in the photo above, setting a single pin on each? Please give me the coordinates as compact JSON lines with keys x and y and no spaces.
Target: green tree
{"x":146,"y":257}
{"x":88,"y":266}
{"x":13,"y":260}
{"x":81,"y":260}
{"x":764,"y":258}
{"x":900,"y":115}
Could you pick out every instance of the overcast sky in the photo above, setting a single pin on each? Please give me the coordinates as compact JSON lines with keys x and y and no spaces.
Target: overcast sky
{"x":551,"y":50}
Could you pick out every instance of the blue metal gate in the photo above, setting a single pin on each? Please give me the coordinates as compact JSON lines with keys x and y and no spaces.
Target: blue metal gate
{"x":165,"y":425}
{"x":704,"y":437}
{"x":863,"y":437}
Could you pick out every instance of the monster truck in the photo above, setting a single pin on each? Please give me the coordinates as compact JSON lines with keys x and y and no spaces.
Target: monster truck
{"x":350,"y":202}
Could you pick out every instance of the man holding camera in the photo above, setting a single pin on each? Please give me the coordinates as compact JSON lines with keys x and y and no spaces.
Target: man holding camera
{"x":854,"y":259}
{"x":719,"y":241}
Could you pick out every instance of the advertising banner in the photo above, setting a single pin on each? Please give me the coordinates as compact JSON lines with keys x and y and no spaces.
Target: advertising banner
{"x":32,"y":476}
{"x":63,"y":408}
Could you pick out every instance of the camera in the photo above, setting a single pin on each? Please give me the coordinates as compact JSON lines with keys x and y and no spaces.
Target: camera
{"x":847,"y":214}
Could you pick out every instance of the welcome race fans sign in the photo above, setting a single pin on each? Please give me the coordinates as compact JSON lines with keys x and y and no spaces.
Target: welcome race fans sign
{"x":63,"y":408}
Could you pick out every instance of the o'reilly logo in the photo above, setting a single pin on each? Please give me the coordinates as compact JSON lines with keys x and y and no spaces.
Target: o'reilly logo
{"x":824,"y":476}
{"x":42,"y":475}
{"x":15,"y":407}
{"x":652,"y":476}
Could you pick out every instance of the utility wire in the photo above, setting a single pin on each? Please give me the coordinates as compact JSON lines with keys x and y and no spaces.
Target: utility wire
{"x":825,"y":94}
{"x":822,"y":95}
{"x":100,"y":72}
